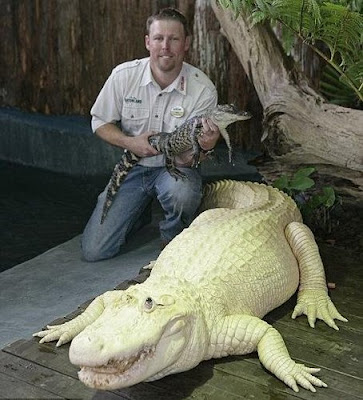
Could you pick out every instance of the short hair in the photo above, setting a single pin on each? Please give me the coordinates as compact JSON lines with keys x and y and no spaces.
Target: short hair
{"x":169,"y":13}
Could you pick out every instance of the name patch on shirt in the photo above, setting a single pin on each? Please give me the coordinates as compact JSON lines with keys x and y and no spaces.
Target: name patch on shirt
{"x":133,"y":100}
{"x":177,"y":111}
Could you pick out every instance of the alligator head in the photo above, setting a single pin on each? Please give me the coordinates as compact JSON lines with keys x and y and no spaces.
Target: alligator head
{"x":142,"y":337}
{"x":226,"y":114}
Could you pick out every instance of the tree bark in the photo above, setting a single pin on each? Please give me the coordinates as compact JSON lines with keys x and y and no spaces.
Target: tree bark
{"x":300,"y":127}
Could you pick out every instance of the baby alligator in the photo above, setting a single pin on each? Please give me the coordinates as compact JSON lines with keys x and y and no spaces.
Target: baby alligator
{"x":183,"y":138}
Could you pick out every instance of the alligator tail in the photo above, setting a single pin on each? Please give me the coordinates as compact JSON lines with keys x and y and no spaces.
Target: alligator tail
{"x":122,"y":168}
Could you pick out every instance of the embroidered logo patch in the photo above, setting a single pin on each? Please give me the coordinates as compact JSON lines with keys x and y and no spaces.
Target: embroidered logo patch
{"x":132,"y":100}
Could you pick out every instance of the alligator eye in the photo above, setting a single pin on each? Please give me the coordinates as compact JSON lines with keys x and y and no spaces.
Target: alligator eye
{"x":149,"y":303}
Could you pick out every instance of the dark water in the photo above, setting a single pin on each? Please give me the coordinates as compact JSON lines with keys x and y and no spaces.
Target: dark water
{"x":40,"y":209}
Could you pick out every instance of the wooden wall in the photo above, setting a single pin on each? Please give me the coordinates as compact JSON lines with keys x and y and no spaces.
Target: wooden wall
{"x":56,"y":54}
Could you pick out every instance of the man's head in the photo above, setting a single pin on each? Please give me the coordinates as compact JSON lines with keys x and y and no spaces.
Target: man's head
{"x":168,"y":14}
{"x":167,"y":40}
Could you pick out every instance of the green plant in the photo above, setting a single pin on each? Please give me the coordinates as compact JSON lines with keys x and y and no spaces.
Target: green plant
{"x":298,"y":183}
{"x":336,"y":90}
{"x":336,"y":23}
{"x":315,"y":204}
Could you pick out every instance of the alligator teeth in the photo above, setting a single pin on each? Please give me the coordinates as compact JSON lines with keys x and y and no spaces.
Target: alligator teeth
{"x":120,"y":366}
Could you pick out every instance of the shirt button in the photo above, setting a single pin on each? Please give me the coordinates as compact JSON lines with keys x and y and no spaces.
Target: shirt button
{"x":160,"y":94}
{"x":156,"y":116}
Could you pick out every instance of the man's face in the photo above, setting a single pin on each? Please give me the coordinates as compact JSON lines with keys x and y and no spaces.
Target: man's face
{"x":167,"y":45}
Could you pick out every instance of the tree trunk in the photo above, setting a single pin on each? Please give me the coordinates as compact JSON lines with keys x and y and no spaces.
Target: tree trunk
{"x":300,"y":127}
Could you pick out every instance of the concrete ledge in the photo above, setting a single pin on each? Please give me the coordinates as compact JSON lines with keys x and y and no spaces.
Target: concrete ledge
{"x":66,"y":144}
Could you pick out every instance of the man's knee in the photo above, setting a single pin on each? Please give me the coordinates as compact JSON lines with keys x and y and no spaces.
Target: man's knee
{"x":92,"y":252}
{"x":186,"y":192}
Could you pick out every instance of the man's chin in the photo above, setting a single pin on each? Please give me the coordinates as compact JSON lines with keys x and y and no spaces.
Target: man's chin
{"x":166,"y":64}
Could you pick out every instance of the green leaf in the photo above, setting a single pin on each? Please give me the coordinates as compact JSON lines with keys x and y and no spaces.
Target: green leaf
{"x":301,"y":183}
{"x":341,"y":31}
{"x":336,"y":23}
{"x":304,"y":172}
{"x":329,"y":196}
{"x":315,"y":201}
{"x":326,"y":199}
{"x":335,"y":88}
{"x":281,"y":183}
{"x":224,"y":3}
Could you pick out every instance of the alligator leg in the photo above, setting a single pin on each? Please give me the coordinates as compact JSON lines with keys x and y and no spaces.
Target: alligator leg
{"x":64,"y":333}
{"x":313,"y":299}
{"x":243,"y":334}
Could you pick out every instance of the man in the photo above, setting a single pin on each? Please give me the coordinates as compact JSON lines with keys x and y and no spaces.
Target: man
{"x":145,"y":96}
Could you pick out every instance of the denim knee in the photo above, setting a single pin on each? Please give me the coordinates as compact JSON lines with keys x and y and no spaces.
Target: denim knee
{"x":92,"y":252}
{"x":180,"y":200}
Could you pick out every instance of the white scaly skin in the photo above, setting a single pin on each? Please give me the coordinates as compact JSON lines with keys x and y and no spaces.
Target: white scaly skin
{"x":206,"y":294}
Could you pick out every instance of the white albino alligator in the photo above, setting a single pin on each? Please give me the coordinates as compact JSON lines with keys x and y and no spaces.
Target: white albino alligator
{"x":206,"y":295}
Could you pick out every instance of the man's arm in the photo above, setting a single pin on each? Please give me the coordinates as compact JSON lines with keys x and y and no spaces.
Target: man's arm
{"x":138,"y":145}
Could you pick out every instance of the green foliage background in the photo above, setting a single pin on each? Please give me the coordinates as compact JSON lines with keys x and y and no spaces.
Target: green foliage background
{"x":335,"y":25}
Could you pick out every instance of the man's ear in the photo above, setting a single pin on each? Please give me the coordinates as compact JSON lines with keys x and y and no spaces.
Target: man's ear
{"x":147,"y":42}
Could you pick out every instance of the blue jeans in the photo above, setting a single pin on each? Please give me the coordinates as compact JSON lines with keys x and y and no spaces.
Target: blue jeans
{"x":179,"y":199}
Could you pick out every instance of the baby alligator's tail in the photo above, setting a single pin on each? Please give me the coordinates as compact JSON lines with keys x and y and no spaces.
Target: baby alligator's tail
{"x":122,"y":168}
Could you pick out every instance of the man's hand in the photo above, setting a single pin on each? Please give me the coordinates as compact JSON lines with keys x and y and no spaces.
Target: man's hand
{"x":140,"y":145}
{"x":209,"y":136}
{"x":207,"y":141}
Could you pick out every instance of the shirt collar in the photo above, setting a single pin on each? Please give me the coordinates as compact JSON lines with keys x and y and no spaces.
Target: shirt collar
{"x":179,"y":84}
{"x":147,"y":76}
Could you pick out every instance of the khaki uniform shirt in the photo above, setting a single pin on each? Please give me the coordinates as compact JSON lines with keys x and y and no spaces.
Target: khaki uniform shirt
{"x":132,"y":98}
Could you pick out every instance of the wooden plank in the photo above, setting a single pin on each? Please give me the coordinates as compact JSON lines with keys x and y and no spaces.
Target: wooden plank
{"x":349,"y":331}
{"x":55,"y":385}
{"x":13,"y":388}
{"x":328,"y":352}
{"x":45,"y":354}
{"x":56,"y":359}
{"x":207,"y":382}
{"x":338,"y":357}
{"x":249,"y":367}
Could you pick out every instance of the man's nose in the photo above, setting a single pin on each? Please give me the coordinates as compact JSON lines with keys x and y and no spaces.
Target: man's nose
{"x":166,"y":43}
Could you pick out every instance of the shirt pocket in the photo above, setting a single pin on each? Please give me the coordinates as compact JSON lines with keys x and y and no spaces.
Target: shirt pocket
{"x":135,"y":120}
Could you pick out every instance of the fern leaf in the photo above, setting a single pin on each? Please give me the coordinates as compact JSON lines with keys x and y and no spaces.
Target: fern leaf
{"x":302,"y":16}
{"x":341,"y":31}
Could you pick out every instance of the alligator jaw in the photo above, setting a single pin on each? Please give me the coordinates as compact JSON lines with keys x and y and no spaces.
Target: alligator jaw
{"x":117,"y":373}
